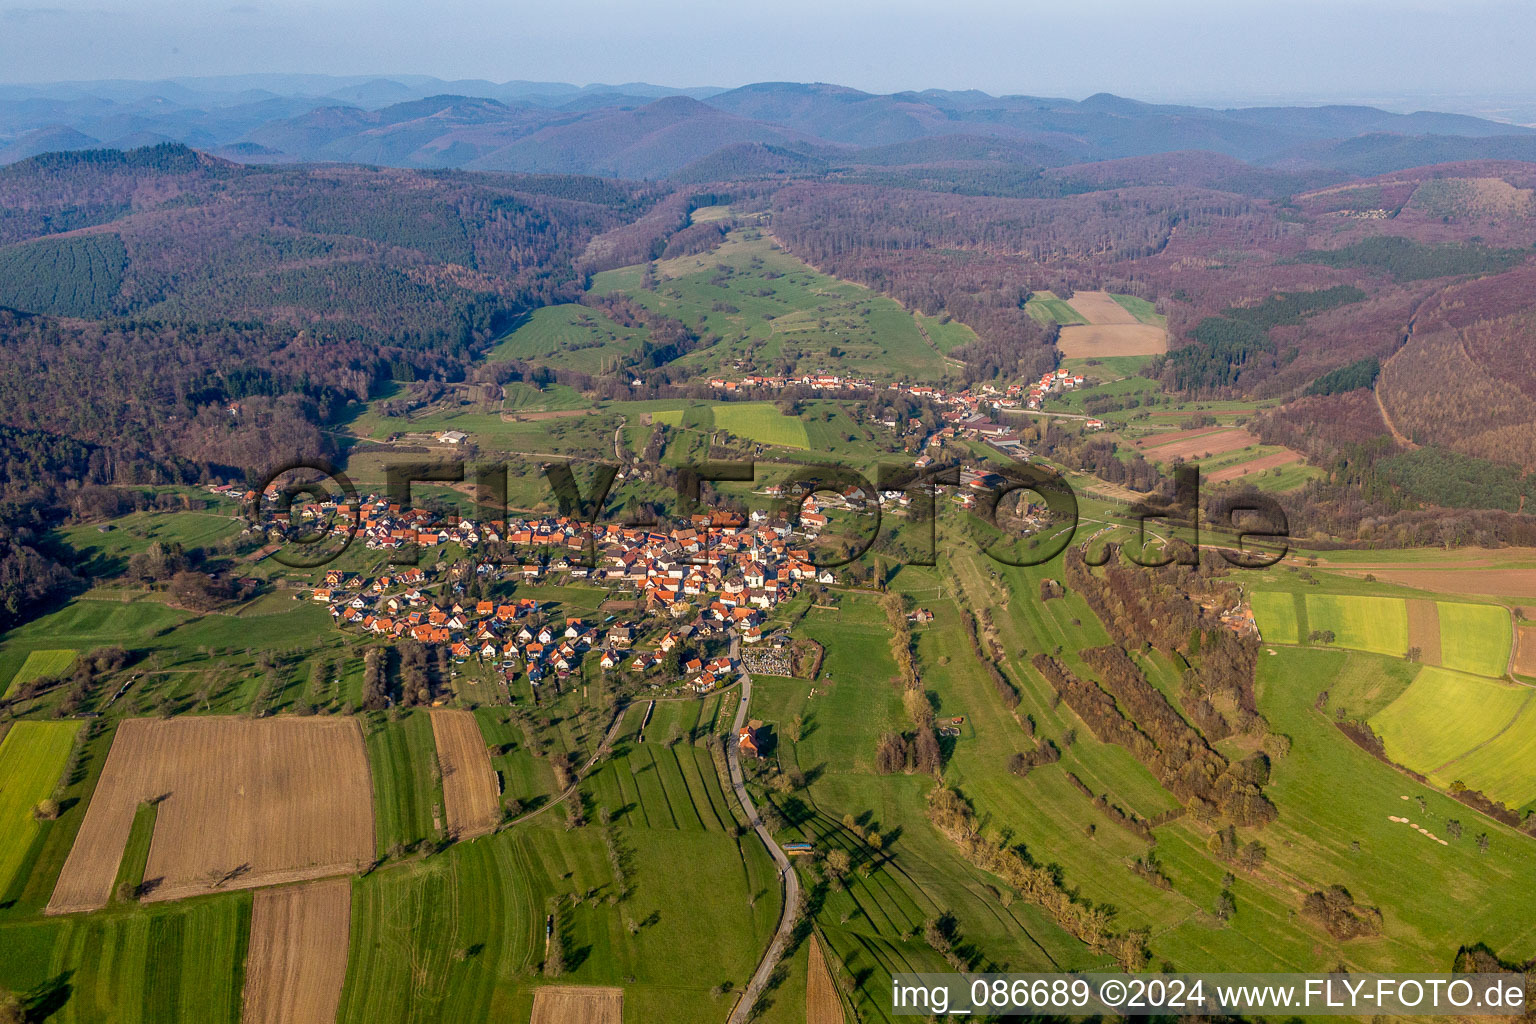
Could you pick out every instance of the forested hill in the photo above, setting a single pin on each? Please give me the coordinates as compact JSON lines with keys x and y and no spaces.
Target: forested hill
{"x":163,"y":283}
{"x":766,"y":128}
{"x":180,"y":315}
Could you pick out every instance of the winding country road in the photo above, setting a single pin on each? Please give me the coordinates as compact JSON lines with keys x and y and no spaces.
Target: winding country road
{"x":791,"y":881}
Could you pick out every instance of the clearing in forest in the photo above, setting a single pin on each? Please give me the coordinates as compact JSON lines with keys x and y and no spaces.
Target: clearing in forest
{"x":1101,"y":308}
{"x":297,"y":958}
{"x":1111,"y":330}
{"x":242,"y":803}
{"x":1101,"y":340}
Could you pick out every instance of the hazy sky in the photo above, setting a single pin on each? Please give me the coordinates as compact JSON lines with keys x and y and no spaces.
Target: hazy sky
{"x":1154,"y":49}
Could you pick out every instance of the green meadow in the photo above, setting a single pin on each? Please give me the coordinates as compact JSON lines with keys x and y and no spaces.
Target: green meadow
{"x":1375,"y":624}
{"x":41,"y":664}
{"x":754,"y":421}
{"x":1141,"y":309}
{"x":691,"y":910}
{"x":759,"y":304}
{"x":1445,"y":714}
{"x":1475,"y":637}
{"x":32,"y":757}
{"x":570,"y":336}
{"x":1046,"y":308}
{"x":407,"y":791}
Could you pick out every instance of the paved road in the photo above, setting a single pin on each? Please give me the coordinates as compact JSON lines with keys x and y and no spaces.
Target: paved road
{"x":791,"y":882}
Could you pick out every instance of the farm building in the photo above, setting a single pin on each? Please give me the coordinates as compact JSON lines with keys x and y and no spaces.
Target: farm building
{"x":749,"y":739}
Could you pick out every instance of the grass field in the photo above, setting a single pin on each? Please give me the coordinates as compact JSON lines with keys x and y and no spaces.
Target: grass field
{"x":522,"y":397}
{"x":1376,"y":624}
{"x":1501,"y":767}
{"x":32,"y":756}
{"x":571,"y":336}
{"x":1368,"y":683}
{"x":760,"y":421}
{"x":130,"y":870}
{"x":108,"y":553}
{"x":1141,"y":309}
{"x":1444,"y":715}
{"x":180,"y":962}
{"x":407,"y":793}
{"x":667,"y":781}
{"x":1046,"y":308}
{"x":523,"y":776}
{"x":1279,"y":616}
{"x":762,"y":304}
{"x":1475,"y":637}
{"x":754,"y":421}
{"x":1335,"y":801}
{"x":947,"y":334}
{"x":40,"y":664}
{"x":470,"y":923}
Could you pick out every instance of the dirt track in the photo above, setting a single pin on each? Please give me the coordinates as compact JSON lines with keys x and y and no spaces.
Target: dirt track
{"x":243,"y":803}
{"x":821,"y":1003}
{"x":471,"y":798}
{"x":578,"y":1004}
{"x":297,"y":959}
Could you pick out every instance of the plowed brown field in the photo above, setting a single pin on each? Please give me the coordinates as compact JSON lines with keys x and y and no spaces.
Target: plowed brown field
{"x":243,"y":803}
{"x":1100,"y":308}
{"x":1254,"y":466}
{"x":578,"y":1004}
{"x":1081,"y":341}
{"x":1525,"y":651}
{"x":1424,"y":629}
{"x":1480,"y":582}
{"x":471,"y":797}
{"x":821,"y":1003}
{"x":297,"y":959}
{"x":1195,"y":444}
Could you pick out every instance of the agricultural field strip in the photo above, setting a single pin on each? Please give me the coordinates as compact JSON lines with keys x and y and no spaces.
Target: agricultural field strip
{"x":1475,"y":638}
{"x":242,"y":803}
{"x":1444,"y":715}
{"x":471,"y":801}
{"x":32,"y":757}
{"x":40,"y":664}
{"x":1099,"y":307}
{"x":296,"y":960}
{"x":573,"y":1004}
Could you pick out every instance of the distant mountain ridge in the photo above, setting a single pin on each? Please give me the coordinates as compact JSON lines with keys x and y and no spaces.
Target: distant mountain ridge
{"x":644,"y":131}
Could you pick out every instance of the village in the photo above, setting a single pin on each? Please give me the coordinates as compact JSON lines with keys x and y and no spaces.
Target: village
{"x":710,"y":580}
{"x":968,"y":409}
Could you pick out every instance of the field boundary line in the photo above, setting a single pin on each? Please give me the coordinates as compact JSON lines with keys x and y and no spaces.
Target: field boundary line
{"x":1472,"y":750}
